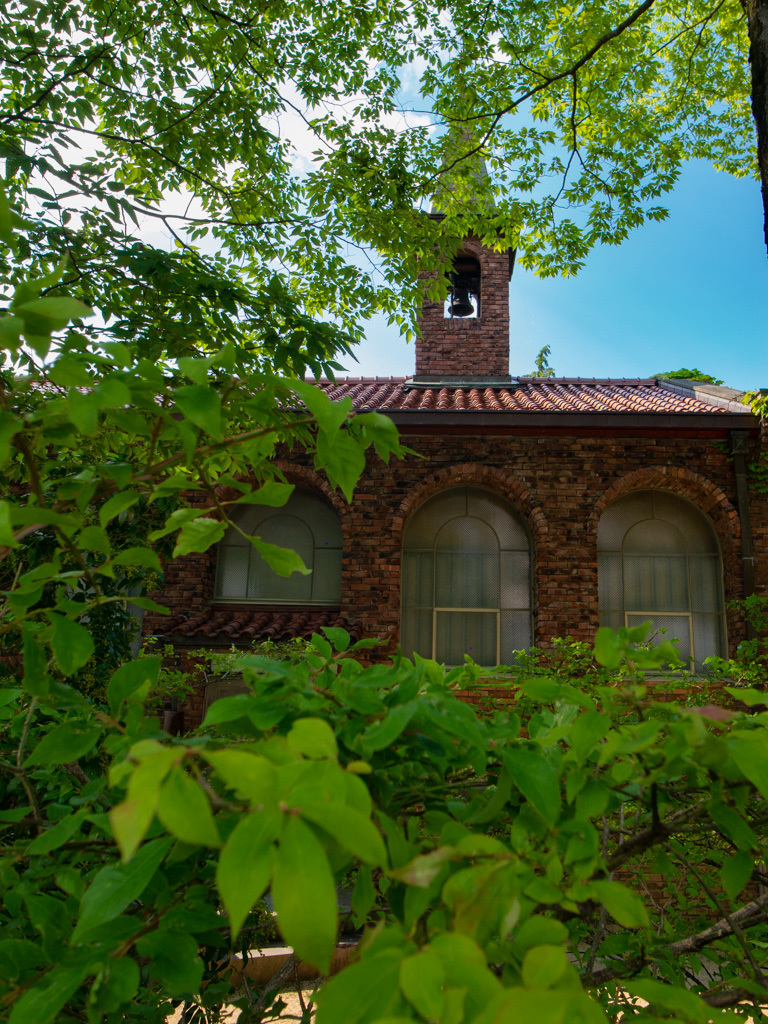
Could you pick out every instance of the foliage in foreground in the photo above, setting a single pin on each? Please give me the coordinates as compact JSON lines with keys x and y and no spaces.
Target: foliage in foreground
{"x":498,"y":861}
{"x":483,"y":849}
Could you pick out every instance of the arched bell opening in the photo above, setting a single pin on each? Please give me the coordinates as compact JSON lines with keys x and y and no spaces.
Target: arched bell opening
{"x":463,"y":301}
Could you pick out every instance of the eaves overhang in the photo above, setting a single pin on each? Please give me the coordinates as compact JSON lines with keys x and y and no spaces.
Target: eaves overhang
{"x":573,"y":424}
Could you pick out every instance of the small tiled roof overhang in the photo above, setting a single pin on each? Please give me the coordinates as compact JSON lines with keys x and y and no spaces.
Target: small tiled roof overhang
{"x":225,"y":624}
{"x":547,"y":405}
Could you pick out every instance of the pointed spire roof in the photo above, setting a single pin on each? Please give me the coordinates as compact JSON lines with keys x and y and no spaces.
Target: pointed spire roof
{"x":464,"y":170}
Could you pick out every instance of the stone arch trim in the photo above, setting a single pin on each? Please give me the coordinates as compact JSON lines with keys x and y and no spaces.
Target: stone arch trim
{"x":473,"y":474}
{"x":710,"y":499}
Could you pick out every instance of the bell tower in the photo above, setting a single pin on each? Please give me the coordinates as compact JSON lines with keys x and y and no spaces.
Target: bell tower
{"x":467,"y":337}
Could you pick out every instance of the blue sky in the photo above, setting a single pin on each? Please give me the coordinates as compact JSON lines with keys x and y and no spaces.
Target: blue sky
{"x":691,"y":291}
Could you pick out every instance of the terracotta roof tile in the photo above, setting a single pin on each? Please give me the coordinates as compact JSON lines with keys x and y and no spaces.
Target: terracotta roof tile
{"x":545,"y":395}
{"x":232,"y":623}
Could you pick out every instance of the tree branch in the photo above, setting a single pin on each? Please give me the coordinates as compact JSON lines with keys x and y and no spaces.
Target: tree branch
{"x":746,"y":917}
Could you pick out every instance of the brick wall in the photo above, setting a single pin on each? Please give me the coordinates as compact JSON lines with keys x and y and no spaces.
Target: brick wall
{"x":559,"y":485}
{"x":472,"y":348}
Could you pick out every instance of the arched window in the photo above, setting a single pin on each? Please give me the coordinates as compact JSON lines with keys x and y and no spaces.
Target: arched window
{"x":659,"y":560}
{"x":466,"y":579}
{"x":307,"y":525}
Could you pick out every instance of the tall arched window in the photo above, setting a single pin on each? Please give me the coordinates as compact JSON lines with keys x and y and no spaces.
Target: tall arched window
{"x":307,"y":525}
{"x":659,"y":560}
{"x":466,"y":579}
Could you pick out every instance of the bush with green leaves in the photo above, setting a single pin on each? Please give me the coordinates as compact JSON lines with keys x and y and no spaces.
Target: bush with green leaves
{"x":484,"y":850}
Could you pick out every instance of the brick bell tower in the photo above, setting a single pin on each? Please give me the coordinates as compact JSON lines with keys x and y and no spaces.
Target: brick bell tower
{"x":467,"y":337}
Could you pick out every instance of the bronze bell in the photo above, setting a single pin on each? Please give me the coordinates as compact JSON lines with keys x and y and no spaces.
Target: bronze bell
{"x":460,"y":303}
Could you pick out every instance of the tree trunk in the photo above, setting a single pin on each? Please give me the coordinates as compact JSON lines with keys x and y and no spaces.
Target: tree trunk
{"x":757,"y":19}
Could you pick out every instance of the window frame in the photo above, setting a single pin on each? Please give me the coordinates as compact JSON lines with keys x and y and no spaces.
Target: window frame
{"x":248,"y":549}
{"x":435,"y":609}
{"x":690,"y":615}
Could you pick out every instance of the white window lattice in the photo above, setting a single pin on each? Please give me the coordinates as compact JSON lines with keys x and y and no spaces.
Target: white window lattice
{"x":659,"y":560}
{"x":466,"y":579}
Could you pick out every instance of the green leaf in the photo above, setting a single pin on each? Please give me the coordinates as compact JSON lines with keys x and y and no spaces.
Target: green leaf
{"x":466,"y":966}
{"x":735,"y":872}
{"x":84,"y":411}
{"x":748,"y":696}
{"x":117,"y":885}
{"x":138,"y":556}
{"x":422,"y":978}
{"x":271,"y":493}
{"x":364,"y":894}
{"x":60,"y":833}
{"x":497,"y":802}
{"x":228,"y":709}
{"x":199,"y":535}
{"x":329,"y":415}
{"x":339,"y":637}
{"x":313,"y":738}
{"x":60,"y":308}
{"x":384,"y":732}
{"x":283,"y":561}
{"x":201,"y":405}
{"x":184,"y":810}
{"x":7,"y":537}
{"x":246,"y":863}
{"x":536,"y":779}
{"x":130,"y":677}
{"x":608,"y":648}
{"x":195,"y":369}
{"x":70,"y":371}
{"x":41,"y":1004}
{"x":524,"y":1006}
{"x":117,"y":985}
{"x":11,"y":329}
{"x":367,"y":990}
{"x":173,"y":961}
{"x":252,"y":777}
{"x":750,"y":752}
{"x":131,"y":819}
{"x":624,"y":906}
{"x":36,"y":680}
{"x":6,"y":217}
{"x":538,"y":930}
{"x":93,"y":538}
{"x":72,"y":644}
{"x":67,"y":742}
{"x":174,"y":521}
{"x":117,"y":504}
{"x":150,"y":606}
{"x":424,"y":869}
{"x":543,"y":966}
{"x":351,"y":829}
{"x":321,"y":646}
{"x":343,"y":459}
{"x":304,"y":895}
{"x":734,"y":826}
{"x":32,"y":515}
{"x":671,"y":997}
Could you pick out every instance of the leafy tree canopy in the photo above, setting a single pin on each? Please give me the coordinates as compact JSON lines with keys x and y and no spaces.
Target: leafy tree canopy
{"x":122,"y":122}
{"x":684,"y":374}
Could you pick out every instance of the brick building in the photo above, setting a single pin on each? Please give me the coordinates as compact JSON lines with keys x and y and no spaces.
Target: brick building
{"x":537,"y":508}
